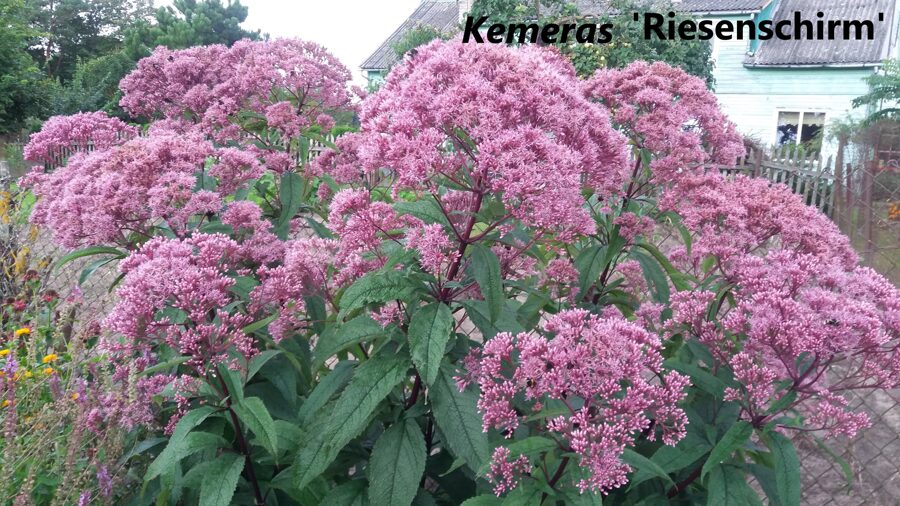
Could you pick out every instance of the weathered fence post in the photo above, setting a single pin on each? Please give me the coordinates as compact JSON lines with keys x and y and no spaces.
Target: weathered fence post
{"x":866,"y":211}
{"x":757,"y":161}
{"x":837,"y":191}
{"x":850,"y":200}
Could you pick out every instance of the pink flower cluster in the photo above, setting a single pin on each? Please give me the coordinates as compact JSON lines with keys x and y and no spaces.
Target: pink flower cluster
{"x":802,"y":317}
{"x":491,"y":120}
{"x":801,"y":305}
{"x":744,"y":214}
{"x":361,"y":225}
{"x":605,"y":370}
{"x":307,"y":269}
{"x":436,"y":250}
{"x":504,"y":473}
{"x":102,"y":196}
{"x":670,"y":113}
{"x":175,"y":292}
{"x":288,"y":83}
{"x":258,"y":244}
{"x":78,"y":132}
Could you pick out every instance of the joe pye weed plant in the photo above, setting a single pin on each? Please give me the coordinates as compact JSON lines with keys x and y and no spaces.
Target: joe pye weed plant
{"x":508,"y":285}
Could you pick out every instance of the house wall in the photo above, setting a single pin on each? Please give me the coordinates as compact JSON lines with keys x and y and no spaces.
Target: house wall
{"x":752,"y":97}
{"x":375,"y":78}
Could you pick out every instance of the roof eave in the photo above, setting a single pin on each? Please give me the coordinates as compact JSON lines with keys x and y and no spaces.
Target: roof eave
{"x":849,"y":65}
{"x":723,"y":13}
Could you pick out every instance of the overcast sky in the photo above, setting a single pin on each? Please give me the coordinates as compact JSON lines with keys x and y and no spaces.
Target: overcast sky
{"x":350,"y":29}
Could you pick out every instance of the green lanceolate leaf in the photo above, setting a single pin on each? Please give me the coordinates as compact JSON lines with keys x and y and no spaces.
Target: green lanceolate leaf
{"x":220,"y":480}
{"x":477,"y":311}
{"x":90,"y":269}
{"x":655,"y":276}
{"x":700,"y":378}
{"x":531,"y":446}
{"x":735,"y":438}
{"x":765,"y":477}
{"x":233,"y":381}
{"x":429,"y":331}
{"x":315,"y":455}
{"x":338,"y":338}
{"x":376,"y":287}
{"x":291,"y":196}
{"x":165,"y":366}
{"x":426,"y":210}
{"x":528,"y":493}
{"x":86,"y":252}
{"x":642,"y":463}
{"x":259,"y":324}
{"x":397,"y":465}
{"x":787,"y":468}
{"x":728,"y":487}
{"x":845,"y":466}
{"x":255,"y":416}
{"x":486,"y":271}
{"x":259,"y":361}
{"x":175,"y":450}
{"x":679,"y":279}
{"x":327,"y":388}
{"x":456,"y":414}
{"x":673,"y":459}
{"x":590,"y":264}
{"x":352,"y":493}
{"x":483,"y":500}
{"x":371,"y":383}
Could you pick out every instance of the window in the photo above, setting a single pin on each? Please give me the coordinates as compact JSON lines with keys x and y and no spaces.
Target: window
{"x":803,"y":128}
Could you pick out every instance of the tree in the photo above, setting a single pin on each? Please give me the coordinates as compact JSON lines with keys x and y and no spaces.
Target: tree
{"x":21,"y":83}
{"x":628,"y":43}
{"x":94,"y":84}
{"x":507,"y":11}
{"x":415,"y":38}
{"x":69,"y":31}
{"x":200,"y":23}
{"x":884,"y":93}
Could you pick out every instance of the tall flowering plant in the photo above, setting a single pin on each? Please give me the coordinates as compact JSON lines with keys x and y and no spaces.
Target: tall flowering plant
{"x":508,"y":283}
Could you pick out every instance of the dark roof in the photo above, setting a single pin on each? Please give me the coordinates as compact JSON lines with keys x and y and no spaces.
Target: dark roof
{"x":444,"y":15}
{"x":597,"y":7}
{"x":818,"y":53}
{"x":700,"y":6}
{"x":440,"y":14}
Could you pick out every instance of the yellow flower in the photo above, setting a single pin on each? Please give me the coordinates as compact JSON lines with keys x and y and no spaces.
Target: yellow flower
{"x":4,"y":353}
{"x":48,"y":371}
{"x":23,"y":331}
{"x":21,"y":260}
{"x":49,"y":358}
{"x":74,"y":396}
{"x":29,"y":374}
{"x":4,"y":403}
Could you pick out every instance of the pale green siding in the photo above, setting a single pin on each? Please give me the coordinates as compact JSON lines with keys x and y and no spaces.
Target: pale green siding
{"x":733,"y":77}
{"x":753,"y":97}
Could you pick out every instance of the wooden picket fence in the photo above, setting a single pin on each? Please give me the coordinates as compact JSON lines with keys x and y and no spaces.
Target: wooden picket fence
{"x":807,"y":175}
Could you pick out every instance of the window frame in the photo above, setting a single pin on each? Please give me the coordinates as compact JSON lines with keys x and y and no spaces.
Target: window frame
{"x":802,"y":113}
